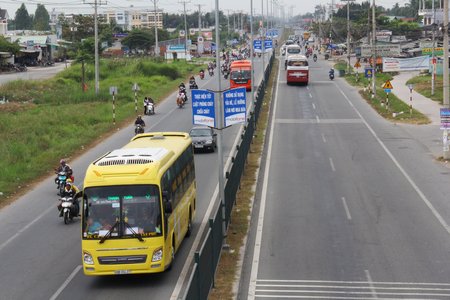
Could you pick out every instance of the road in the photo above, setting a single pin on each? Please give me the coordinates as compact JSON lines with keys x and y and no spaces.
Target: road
{"x":350,"y":206}
{"x":41,"y":257}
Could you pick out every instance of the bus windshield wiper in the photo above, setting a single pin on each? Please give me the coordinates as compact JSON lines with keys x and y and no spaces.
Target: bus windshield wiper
{"x":136,"y":234}
{"x":108,"y":234}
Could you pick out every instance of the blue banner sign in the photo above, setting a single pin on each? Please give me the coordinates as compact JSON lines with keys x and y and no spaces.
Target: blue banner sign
{"x":203,"y":112}
{"x":267,"y":45}
{"x":445,"y":118}
{"x":257,"y":46}
{"x":235,"y":106}
{"x":368,"y":72}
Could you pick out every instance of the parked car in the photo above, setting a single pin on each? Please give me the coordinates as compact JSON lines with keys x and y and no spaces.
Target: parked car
{"x":203,"y":138}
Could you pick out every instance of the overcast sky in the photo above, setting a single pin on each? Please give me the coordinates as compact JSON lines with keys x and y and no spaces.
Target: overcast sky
{"x":176,"y":6}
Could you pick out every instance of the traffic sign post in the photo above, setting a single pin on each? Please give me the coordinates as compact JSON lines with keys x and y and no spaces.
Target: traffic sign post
{"x":387,"y":86}
{"x":410,"y":86}
{"x":113,"y":92}
{"x":135,"y":89}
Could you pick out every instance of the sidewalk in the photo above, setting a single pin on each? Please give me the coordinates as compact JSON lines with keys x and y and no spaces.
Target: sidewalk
{"x":426,"y":106}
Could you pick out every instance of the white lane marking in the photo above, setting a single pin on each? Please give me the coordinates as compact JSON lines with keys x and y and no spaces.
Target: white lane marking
{"x":66,"y":283}
{"x":310,"y":95}
{"x":257,"y":249}
{"x":3,"y":245}
{"x":332,"y":165}
{"x":314,"y":106}
{"x":317,"y":119}
{"x":347,"y":211}
{"x":323,"y":138}
{"x":405,"y":174}
{"x":369,"y":279}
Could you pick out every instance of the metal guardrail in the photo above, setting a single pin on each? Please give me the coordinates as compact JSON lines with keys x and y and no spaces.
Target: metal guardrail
{"x":201,"y":279}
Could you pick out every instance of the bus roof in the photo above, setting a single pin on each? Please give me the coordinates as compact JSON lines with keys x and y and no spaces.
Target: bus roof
{"x":297,"y":57}
{"x":241,"y":63}
{"x":142,"y":160}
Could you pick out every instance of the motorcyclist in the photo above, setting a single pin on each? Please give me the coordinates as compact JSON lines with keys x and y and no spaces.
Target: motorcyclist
{"x":70,"y":190}
{"x":139,"y":121}
{"x":315,"y":56}
{"x":202,"y":73}
{"x":146,"y":102}
{"x":64,"y":167}
{"x":182,"y":90}
{"x":331,"y":73}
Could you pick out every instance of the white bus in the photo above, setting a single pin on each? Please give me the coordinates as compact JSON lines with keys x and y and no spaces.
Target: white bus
{"x":297,"y":69}
{"x":291,"y":50}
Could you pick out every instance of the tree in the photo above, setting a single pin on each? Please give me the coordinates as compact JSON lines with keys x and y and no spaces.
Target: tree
{"x":41,"y":18}
{"x":6,"y":46}
{"x":23,"y":20}
{"x":139,"y":40}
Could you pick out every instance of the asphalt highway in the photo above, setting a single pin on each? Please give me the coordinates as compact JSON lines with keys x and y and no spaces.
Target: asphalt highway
{"x":41,"y":257}
{"x":349,"y":205}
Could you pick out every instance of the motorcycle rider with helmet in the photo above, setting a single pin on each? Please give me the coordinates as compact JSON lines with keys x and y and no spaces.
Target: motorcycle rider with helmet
{"x":64,"y":167}
{"x":70,"y":190}
{"x":182,"y":90}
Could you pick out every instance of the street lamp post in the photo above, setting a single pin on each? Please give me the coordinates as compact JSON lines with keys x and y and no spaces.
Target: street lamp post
{"x":348,"y":33}
{"x":156,"y":28}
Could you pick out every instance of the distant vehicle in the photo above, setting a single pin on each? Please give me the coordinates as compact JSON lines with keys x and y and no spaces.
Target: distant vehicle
{"x":203,"y":138}
{"x":306,"y":35}
{"x":241,"y":74}
{"x":297,"y":69}
{"x":289,"y":42}
{"x":291,"y":50}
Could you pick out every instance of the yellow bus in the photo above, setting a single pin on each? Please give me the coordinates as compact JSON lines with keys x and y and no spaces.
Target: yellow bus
{"x":138,"y":205}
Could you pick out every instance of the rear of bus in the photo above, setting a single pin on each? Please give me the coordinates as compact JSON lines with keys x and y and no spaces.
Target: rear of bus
{"x":241,"y":74}
{"x":138,"y":204}
{"x":297,"y":70}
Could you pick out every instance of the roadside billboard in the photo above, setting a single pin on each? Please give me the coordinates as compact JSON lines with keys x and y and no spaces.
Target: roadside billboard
{"x":382,"y":50}
{"x":406,"y":64}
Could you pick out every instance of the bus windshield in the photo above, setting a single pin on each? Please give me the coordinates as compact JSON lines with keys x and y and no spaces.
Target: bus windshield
{"x":122,"y":211}
{"x":240,"y":74}
{"x":297,"y":63}
{"x":293,"y":50}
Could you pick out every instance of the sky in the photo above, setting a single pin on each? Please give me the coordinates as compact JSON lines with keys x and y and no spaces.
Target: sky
{"x":176,"y":6}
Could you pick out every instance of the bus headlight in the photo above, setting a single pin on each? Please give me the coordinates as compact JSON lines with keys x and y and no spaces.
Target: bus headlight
{"x":87,"y":258}
{"x":157,"y":255}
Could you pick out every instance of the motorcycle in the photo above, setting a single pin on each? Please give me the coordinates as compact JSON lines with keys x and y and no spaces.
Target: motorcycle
{"x":61,"y":181}
{"x":202,"y":75}
{"x":150,"y":109}
{"x":331,"y":75}
{"x":138,"y":129}
{"x":68,"y":209}
{"x":315,"y":57}
{"x":181,"y":100}
{"x":193,"y":85}
{"x":211,"y":72}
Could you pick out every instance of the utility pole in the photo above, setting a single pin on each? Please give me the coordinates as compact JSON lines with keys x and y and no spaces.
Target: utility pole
{"x":156,"y":28}
{"x":348,"y":34}
{"x":185,"y":29}
{"x":433,"y":56}
{"x":374,"y":50}
{"x":445,"y":65}
{"x":200,"y":19}
{"x":331,"y":26}
{"x":96,"y":58}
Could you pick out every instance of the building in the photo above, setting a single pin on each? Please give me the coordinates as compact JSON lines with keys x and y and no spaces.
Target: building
{"x":3,"y":21}
{"x":140,"y":19}
{"x":429,"y":15}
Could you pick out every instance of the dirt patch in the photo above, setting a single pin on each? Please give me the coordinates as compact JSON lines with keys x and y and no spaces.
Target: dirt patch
{"x":12,"y":107}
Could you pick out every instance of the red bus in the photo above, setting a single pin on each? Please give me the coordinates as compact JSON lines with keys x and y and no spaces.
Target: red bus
{"x":241,"y":74}
{"x":297,"y":69}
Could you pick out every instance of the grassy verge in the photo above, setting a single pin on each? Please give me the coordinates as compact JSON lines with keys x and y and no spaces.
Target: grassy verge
{"x":227,"y":270}
{"x":388,"y":106}
{"x":422,"y":85}
{"x":52,"y":119}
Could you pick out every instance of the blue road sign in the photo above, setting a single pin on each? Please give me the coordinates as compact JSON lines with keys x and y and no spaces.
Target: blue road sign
{"x":368,"y":72}
{"x":445,"y":118}
{"x":267,"y":45}
{"x":235,"y":106}
{"x":203,"y":112}
{"x":257,"y":46}
{"x":387,"y":90}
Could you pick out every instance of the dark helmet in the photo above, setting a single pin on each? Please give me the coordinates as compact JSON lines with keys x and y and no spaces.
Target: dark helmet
{"x":62,"y":162}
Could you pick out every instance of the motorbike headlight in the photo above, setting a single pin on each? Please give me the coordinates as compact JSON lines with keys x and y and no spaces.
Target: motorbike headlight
{"x":157,"y":255}
{"x":87,"y":258}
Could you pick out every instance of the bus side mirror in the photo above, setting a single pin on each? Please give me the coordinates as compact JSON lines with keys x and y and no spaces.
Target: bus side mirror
{"x":167,"y":207}
{"x":166,"y":196}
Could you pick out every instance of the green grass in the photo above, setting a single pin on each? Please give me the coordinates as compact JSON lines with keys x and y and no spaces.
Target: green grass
{"x":422,"y":85}
{"x":51,"y":119}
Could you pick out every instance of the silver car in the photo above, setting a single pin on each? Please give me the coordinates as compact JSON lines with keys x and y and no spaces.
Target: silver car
{"x":203,"y":138}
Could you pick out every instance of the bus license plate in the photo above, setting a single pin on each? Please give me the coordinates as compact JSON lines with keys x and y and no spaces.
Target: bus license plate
{"x":122,"y":272}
